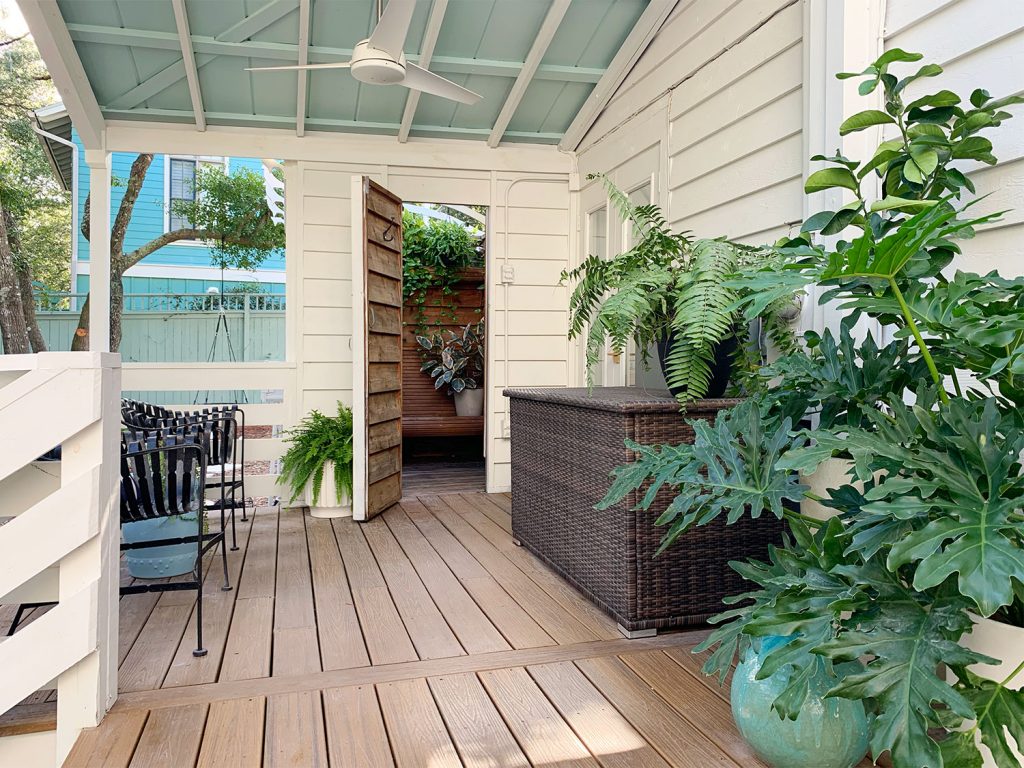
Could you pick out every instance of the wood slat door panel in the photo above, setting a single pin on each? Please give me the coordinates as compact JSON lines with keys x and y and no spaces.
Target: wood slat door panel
{"x":377,"y":385}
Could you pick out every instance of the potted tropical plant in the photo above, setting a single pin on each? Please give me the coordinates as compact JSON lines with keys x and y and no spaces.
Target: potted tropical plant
{"x":321,"y":446}
{"x":923,"y":562}
{"x":670,"y":292}
{"x":456,"y":360}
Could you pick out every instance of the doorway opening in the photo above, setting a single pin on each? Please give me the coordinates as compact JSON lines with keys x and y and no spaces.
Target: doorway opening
{"x":443,"y":347}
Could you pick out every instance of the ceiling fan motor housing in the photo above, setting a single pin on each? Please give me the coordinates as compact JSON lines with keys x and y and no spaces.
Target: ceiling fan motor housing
{"x":370,"y":65}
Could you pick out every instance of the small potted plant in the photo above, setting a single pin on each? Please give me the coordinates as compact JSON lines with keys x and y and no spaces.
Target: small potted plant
{"x":456,"y":360}
{"x":321,"y":445}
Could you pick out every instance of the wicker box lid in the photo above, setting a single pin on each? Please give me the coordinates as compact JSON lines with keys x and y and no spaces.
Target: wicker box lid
{"x":616,"y":399}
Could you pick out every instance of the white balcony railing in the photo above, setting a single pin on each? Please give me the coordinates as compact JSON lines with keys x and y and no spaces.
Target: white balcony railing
{"x":61,"y":540}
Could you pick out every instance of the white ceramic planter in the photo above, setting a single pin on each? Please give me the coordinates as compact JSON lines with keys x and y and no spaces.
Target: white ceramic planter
{"x":329,"y":504}
{"x":1000,"y":641}
{"x":469,"y":402}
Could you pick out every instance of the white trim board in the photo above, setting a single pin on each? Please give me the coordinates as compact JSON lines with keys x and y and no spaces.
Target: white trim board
{"x":198,"y":273}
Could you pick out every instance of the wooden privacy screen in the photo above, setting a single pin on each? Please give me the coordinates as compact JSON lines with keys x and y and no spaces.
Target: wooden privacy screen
{"x":428,"y":412}
{"x":377,"y":261}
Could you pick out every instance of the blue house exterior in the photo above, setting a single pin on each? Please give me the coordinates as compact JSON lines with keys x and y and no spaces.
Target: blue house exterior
{"x":182,"y":267}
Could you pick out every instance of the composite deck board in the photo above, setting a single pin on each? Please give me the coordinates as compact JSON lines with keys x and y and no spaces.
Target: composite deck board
{"x":443,"y":477}
{"x":546,"y":738}
{"x":427,"y":628}
{"x":356,"y":736}
{"x":341,"y":640}
{"x":475,"y":632}
{"x":555,"y":620}
{"x":605,"y":732}
{"x":387,"y":639}
{"x":514,"y":622}
{"x":295,"y":733}
{"x":423,"y":638}
{"x":417,"y":732}
{"x":585,"y":612}
{"x":233,"y":736}
{"x":480,"y":735}
{"x":675,"y":738}
{"x":172,"y":737}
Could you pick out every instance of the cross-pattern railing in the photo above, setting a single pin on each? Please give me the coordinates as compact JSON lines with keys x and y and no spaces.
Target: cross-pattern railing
{"x":61,"y":542}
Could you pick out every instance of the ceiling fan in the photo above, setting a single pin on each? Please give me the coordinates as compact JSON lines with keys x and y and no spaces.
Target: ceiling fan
{"x":379,"y":59}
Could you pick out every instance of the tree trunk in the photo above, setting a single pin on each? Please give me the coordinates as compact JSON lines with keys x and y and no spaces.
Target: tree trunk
{"x":13,"y":332}
{"x":24,"y":270}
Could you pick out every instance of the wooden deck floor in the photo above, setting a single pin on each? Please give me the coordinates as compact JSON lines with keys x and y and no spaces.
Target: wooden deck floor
{"x":423,"y":638}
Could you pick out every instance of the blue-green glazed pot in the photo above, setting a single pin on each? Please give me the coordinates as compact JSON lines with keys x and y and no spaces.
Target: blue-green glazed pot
{"x":160,"y":562}
{"x":828,"y":733}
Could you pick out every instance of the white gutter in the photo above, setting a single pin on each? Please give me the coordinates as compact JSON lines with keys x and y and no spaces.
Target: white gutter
{"x":74,"y":206}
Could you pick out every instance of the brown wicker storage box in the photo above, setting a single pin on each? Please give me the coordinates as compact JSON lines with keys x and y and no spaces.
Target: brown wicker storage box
{"x":565,"y":442}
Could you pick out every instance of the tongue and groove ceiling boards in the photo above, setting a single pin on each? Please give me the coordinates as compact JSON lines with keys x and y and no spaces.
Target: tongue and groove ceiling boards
{"x":535,"y":62}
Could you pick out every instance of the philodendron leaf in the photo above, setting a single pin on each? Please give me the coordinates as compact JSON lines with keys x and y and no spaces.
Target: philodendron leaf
{"x":1000,"y":714}
{"x":893,"y":203}
{"x":908,"y":640}
{"x":865,"y":119}
{"x":959,"y":751}
{"x":829,"y":178}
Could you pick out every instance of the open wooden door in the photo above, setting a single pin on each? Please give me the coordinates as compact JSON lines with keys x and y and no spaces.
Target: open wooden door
{"x":376,"y":348}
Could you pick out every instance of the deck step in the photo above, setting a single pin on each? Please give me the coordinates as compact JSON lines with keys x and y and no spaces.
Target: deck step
{"x":29,"y":718}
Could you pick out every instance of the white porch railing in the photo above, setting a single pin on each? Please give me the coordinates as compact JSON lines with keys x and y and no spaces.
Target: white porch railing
{"x":63,"y":541}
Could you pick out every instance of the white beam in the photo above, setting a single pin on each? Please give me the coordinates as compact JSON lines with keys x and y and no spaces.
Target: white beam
{"x":300,"y":104}
{"x":646,"y":27}
{"x":53,"y":40}
{"x":412,"y":100}
{"x":99,"y":249}
{"x":188,"y":58}
{"x":540,"y":46}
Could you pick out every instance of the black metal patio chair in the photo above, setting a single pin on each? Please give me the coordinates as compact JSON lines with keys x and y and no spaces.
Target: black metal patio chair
{"x":163,"y":473}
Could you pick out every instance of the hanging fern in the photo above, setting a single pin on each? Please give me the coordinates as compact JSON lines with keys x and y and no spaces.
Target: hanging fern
{"x":668,"y":286}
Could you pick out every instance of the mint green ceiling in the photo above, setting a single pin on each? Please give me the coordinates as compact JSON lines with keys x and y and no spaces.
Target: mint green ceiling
{"x":132,"y":56}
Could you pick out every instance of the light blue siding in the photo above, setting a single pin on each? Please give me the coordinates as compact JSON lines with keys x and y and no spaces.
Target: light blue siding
{"x":148,"y":222}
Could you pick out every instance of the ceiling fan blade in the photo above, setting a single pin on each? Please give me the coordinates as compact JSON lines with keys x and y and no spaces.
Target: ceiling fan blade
{"x":420,"y":79}
{"x":293,"y":67}
{"x":390,"y":33}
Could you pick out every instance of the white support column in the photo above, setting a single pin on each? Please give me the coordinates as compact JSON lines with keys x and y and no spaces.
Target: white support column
{"x":99,"y":249}
{"x":88,"y":689}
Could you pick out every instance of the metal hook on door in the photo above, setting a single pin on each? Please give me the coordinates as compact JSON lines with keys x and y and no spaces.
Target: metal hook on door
{"x":391,"y":225}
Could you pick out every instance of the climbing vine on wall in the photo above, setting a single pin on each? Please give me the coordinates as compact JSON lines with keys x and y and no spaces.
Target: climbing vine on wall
{"x":435,"y":253}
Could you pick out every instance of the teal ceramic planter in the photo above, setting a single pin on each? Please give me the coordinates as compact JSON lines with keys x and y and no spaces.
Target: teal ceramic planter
{"x":160,"y":562}
{"x":829,"y":733}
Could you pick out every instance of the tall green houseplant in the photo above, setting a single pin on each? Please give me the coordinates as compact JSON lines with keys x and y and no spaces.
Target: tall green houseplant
{"x":928,"y":530}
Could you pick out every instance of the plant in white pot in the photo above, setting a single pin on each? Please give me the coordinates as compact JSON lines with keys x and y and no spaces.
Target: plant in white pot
{"x":456,"y":360}
{"x":321,"y":446}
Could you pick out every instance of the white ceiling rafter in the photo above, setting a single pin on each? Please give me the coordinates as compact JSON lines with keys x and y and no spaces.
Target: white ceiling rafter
{"x":430,"y":35}
{"x":303,"y":75}
{"x":188,"y":59}
{"x":545,"y":35}
{"x":643,"y":32}
{"x":236,"y":33}
{"x":51,"y":36}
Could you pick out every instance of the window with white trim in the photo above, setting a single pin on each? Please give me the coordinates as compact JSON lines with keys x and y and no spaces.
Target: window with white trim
{"x":181,"y":184}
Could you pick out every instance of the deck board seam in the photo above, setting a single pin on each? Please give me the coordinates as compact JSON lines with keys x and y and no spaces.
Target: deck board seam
{"x":265,"y":686}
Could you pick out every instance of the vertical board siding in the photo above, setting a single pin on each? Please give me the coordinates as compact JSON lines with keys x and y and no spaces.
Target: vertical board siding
{"x":536,"y":239}
{"x":980,"y":44}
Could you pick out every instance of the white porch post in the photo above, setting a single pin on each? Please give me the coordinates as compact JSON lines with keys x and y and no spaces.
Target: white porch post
{"x":98,"y":161}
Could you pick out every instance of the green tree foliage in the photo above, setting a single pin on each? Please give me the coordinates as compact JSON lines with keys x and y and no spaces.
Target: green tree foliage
{"x":36,"y":247}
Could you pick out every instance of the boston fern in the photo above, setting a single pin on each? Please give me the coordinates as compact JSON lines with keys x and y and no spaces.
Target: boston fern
{"x":928,"y":530}
{"x":317,"y":440}
{"x":666,"y":287}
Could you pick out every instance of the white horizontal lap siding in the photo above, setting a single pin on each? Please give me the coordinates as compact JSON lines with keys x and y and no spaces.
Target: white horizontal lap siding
{"x":534,"y":233}
{"x":980,"y":44}
{"x":735,"y":128}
